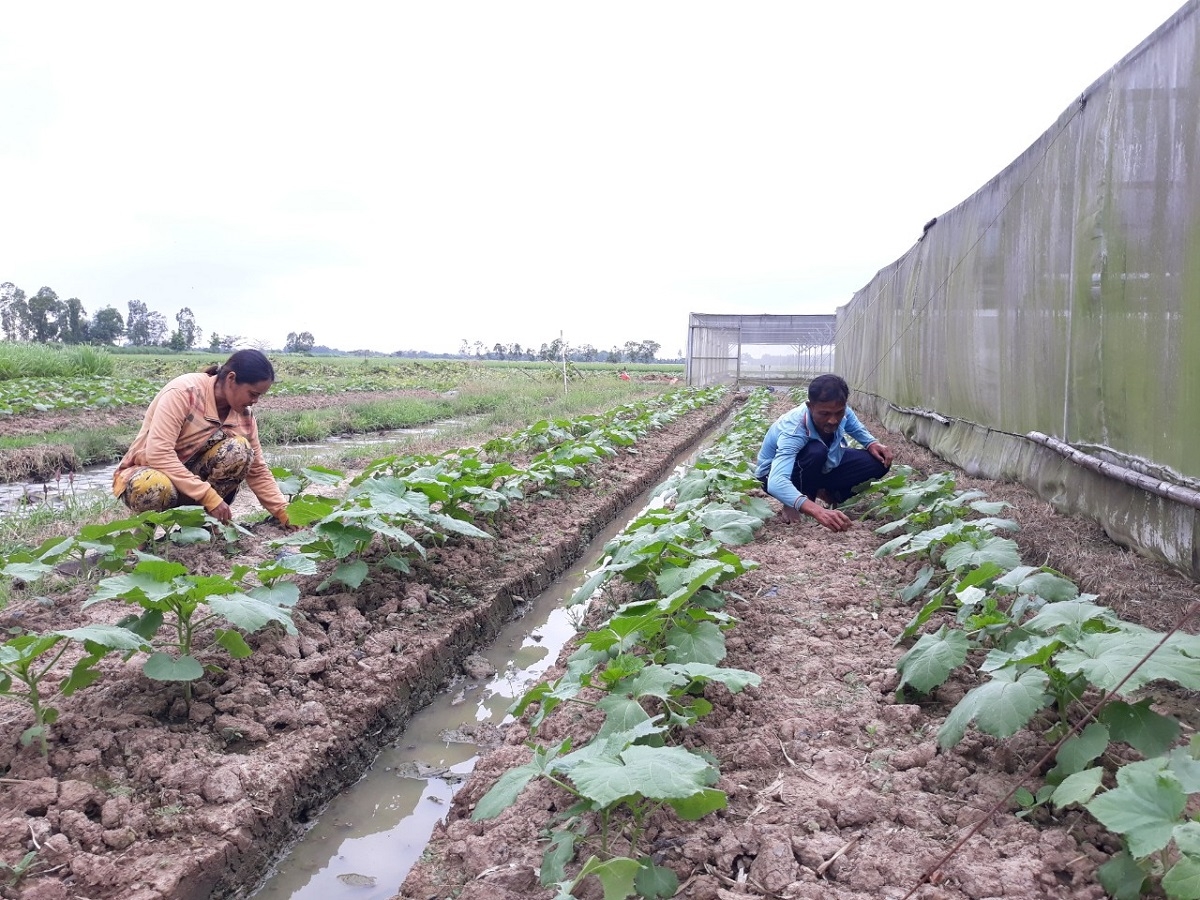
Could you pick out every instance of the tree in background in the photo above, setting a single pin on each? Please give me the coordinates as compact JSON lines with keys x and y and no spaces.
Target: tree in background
{"x":44,"y":310}
{"x":156,"y":329}
{"x":137,"y":329}
{"x":614,"y":355}
{"x":14,"y":312}
{"x":73,"y":323}
{"x":106,"y":327}
{"x":186,"y":331}
{"x":301,"y":342}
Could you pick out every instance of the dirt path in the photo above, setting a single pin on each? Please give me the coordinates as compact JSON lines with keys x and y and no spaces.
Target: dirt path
{"x":144,"y":798}
{"x":836,"y":791}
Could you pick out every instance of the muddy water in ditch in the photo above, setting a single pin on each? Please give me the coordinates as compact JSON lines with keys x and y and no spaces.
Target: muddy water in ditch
{"x":364,"y":843}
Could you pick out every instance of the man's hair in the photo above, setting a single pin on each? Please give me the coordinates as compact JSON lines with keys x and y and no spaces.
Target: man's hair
{"x":828,"y":387}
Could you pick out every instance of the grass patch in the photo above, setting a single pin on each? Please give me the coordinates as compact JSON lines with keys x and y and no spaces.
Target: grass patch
{"x":30,"y":525}
{"x":52,"y":361}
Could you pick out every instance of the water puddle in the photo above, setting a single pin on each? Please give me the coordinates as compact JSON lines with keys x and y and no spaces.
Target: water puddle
{"x":364,"y":843}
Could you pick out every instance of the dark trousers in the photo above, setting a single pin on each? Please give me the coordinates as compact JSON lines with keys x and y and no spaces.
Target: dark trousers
{"x":856,"y":467}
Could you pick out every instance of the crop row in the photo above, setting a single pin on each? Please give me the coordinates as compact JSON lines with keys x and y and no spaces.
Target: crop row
{"x":1042,"y":646}
{"x":434,"y":500}
{"x":646,"y":668}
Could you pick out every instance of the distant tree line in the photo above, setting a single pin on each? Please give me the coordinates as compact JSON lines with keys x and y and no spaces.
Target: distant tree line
{"x":44,"y":318}
{"x":553,"y":351}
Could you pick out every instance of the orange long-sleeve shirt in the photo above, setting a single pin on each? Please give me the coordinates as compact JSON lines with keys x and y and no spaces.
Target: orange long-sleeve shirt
{"x":180,"y":419}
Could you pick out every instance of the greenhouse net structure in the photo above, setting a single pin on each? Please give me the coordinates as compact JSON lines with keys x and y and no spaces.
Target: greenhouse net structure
{"x":763,"y":349}
{"x":1047,"y":329}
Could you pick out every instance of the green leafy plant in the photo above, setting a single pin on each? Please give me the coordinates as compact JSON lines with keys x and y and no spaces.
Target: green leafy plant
{"x":170,"y":595}
{"x":27,"y":660}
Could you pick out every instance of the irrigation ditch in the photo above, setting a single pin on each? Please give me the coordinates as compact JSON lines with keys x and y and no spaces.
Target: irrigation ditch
{"x":365,"y":841}
{"x":144,"y":796}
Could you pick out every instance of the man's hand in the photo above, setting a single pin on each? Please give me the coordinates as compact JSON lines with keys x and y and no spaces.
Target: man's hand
{"x":833,"y":519}
{"x":222,"y":513}
{"x":881,"y":452}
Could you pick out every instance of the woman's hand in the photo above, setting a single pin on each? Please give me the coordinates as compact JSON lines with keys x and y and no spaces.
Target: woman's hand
{"x":222,"y":513}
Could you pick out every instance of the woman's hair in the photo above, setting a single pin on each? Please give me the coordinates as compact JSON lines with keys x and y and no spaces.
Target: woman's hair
{"x":824,"y":388}
{"x":247,"y":366}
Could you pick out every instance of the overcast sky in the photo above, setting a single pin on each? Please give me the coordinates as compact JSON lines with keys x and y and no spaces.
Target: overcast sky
{"x":408,"y":175}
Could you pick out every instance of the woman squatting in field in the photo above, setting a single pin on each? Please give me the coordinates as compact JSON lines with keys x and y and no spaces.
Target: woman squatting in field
{"x":199,"y":442}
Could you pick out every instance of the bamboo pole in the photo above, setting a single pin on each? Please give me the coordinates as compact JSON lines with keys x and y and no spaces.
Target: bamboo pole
{"x":1155,"y":486}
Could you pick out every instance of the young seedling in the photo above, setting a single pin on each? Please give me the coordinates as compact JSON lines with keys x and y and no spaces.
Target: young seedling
{"x":26,"y":661}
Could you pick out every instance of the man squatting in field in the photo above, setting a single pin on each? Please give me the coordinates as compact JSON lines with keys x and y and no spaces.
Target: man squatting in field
{"x":199,"y":442}
{"x":805,"y":459}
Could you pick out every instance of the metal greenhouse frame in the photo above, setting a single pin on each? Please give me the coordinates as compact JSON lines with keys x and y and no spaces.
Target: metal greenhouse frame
{"x":718,"y":346}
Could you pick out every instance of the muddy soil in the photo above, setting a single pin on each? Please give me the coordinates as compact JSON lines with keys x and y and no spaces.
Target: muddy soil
{"x":837,"y":789}
{"x":145,"y":797}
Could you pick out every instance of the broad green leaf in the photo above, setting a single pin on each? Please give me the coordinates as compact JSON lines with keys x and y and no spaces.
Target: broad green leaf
{"x":1033,"y":651}
{"x":1070,"y":613}
{"x":910,"y":593}
{"x":685,"y":581}
{"x":653,"y":681}
{"x":659,"y":773}
{"x":162,"y":667}
{"x":190,"y":535}
{"x":932,"y":659}
{"x":729,"y":526}
{"x":734,"y":680}
{"x":250,"y":614}
{"x":1187,"y":838}
{"x":1148,"y":732}
{"x":505,"y":791}
{"x":351,"y":574}
{"x":144,"y":626}
{"x":323,"y":475}
{"x":655,"y":882}
{"x":1106,"y":658}
{"x":112,"y":636}
{"x":1182,"y":881}
{"x":555,"y":859}
{"x":26,"y":571}
{"x":1047,"y":585}
{"x":893,"y":545}
{"x":1080,"y":750}
{"x":701,"y":642}
{"x":1186,"y":769}
{"x":999,"y":707}
{"x":82,"y":675}
{"x":699,"y":805}
{"x":594,"y":580}
{"x":616,"y":875}
{"x":285,"y":593}
{"x":344,"y":539}
{"x":1078,"y":788}
{"x":621,"y":714}
{"x":1144,"y":807}
{"x":452,"y":525}
{"x":1001,"y":551}
{"x":1122,"y":877}
{"x":234,"y":644}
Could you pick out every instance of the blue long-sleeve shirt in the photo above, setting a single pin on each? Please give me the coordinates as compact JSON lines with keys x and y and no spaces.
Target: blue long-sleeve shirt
{"x":787,"y":436}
